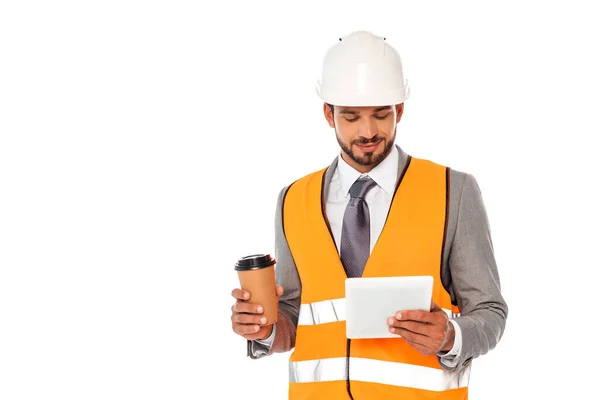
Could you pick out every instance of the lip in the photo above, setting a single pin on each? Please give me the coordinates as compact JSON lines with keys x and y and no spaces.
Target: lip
{"x":369,"y":147}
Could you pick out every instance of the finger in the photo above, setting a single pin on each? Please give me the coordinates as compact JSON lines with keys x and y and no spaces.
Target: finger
{"x":251,"y":308}
{"x":242,"y":329}
{"x":419,"y":316}
{"x":240,"y":294}
{"x":249,"y":319}
{"x":279,"y":290}
{"x":435,"y":332}
{"x":432,"y":336}
{"x":412,"y":336}
{"x":393,"y":329}
{"x":253,"y":336}
{"x":412,"y":326}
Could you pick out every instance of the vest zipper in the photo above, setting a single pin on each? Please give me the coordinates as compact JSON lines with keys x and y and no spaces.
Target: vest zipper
{"x":348,"y":369}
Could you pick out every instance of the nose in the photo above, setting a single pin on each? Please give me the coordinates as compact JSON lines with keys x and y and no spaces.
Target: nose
{"x":368,"y":129}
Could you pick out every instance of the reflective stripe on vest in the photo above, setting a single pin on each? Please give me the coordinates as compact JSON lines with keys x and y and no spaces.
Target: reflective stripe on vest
{"x":376,"y":371}
{"x":323,"y":312}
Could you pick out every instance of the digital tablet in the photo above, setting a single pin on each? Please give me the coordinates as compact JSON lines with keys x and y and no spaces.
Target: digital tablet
{"x":371,"y":301}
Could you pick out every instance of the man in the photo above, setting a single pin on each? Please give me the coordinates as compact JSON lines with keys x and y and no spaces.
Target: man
{"x":377,"y":211}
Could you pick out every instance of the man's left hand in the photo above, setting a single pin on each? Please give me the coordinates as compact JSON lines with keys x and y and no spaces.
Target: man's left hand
{"x":427,"y":331}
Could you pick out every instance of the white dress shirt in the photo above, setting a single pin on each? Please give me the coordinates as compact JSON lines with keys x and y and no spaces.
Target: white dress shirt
{"x":378,"y":199}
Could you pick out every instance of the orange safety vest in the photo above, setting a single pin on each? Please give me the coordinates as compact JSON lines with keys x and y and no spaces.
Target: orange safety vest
{"x":327,"y":365}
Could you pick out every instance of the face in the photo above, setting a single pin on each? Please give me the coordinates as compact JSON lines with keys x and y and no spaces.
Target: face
{"x":365,"y":134}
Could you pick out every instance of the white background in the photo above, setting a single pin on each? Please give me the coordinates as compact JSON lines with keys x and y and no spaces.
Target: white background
{"x":143,"y":145}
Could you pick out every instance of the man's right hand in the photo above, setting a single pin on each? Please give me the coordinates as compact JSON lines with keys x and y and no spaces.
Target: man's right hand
{"x":247,"y":319}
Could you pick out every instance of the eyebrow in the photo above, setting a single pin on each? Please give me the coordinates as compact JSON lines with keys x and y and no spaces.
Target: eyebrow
{"x":346,"y":111}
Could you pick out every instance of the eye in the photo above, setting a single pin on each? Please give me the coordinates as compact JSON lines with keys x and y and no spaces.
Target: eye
{"x":384,"y":117}
{"x":351,"y":120}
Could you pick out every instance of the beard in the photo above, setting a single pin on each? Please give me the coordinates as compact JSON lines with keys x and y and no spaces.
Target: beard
{"x":370,"y":158}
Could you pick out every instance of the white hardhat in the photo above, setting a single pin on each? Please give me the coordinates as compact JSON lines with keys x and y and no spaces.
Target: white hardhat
{"x":362,"y":69}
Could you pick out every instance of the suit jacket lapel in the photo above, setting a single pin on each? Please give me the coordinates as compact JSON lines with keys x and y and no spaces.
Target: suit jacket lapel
{"x":328,"y":176}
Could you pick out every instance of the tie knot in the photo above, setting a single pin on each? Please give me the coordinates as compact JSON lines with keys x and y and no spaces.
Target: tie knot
{"x":361,"y":186}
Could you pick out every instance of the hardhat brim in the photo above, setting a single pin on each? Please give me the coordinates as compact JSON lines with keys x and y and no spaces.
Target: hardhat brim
{"x":381,"y":98}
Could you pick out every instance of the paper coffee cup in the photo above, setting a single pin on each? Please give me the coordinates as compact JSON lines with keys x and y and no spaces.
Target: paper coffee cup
{"x":257,"y":275}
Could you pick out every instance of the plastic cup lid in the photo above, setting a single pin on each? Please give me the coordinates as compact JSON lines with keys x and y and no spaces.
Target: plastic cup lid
{"x":254,"y":261}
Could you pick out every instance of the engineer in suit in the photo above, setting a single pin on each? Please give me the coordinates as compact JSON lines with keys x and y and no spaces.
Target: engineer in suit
{"x":377,"y":211}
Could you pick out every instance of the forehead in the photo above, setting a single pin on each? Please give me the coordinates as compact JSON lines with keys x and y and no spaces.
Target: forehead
{"x":362,"y":109}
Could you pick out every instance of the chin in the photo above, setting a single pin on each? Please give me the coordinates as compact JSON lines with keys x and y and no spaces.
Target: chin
{"x":366,"y":159}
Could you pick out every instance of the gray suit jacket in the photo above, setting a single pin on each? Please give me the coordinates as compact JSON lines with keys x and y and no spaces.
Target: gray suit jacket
{"x":469,"y":272}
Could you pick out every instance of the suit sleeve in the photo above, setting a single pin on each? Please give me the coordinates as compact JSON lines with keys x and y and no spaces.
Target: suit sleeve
{"x":475,"y":278}
{"x":286,"y":275}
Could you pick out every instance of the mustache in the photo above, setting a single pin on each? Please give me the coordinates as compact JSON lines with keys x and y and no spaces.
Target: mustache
{"x":363,"y":141}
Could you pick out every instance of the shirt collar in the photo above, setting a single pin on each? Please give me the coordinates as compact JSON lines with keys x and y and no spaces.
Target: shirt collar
{"x":385,"y":174}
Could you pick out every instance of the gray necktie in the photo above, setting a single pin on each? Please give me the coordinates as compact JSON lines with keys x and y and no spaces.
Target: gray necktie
{"x":356,"y":229}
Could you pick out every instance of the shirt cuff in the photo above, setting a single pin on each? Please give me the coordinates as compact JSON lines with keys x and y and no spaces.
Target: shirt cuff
{"x":450,"y":358}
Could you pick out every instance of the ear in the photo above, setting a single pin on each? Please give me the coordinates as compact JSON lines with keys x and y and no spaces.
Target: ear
{"x":399,"y":111}
{"x":328,"y":115}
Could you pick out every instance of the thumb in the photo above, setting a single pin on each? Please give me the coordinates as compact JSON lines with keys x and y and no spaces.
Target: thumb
{"x":434,"y":307}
